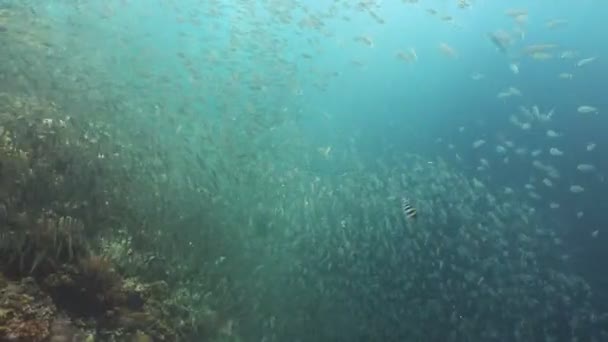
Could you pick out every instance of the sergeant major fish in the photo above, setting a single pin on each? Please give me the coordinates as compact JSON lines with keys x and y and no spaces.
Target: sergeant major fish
{"x":409,"y":211}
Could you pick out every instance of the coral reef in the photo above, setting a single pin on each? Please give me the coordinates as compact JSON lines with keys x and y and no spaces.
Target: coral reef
{"x":69,"y":270}
{"x":26,"y":313}
{"x":94,"y":303}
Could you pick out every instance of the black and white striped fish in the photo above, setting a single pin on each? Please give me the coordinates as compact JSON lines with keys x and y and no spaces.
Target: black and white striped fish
{"x":409,"y":211}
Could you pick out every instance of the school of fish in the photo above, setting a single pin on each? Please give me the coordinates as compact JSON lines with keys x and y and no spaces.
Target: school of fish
{"x":317,"y":239}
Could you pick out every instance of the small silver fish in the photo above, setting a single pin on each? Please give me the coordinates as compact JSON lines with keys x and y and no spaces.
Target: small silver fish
{"x":587,"y":109}
{"x":585,"y":61}
{"x":409,"y":211}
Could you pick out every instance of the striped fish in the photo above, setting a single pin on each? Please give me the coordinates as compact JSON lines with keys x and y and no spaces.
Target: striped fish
{"x":408,"y":210}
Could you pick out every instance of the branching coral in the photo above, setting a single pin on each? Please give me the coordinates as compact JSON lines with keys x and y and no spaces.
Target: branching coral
{"x":38,"y":247}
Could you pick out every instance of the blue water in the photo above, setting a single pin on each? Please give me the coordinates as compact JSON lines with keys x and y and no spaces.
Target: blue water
{"x":256,"y":89}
